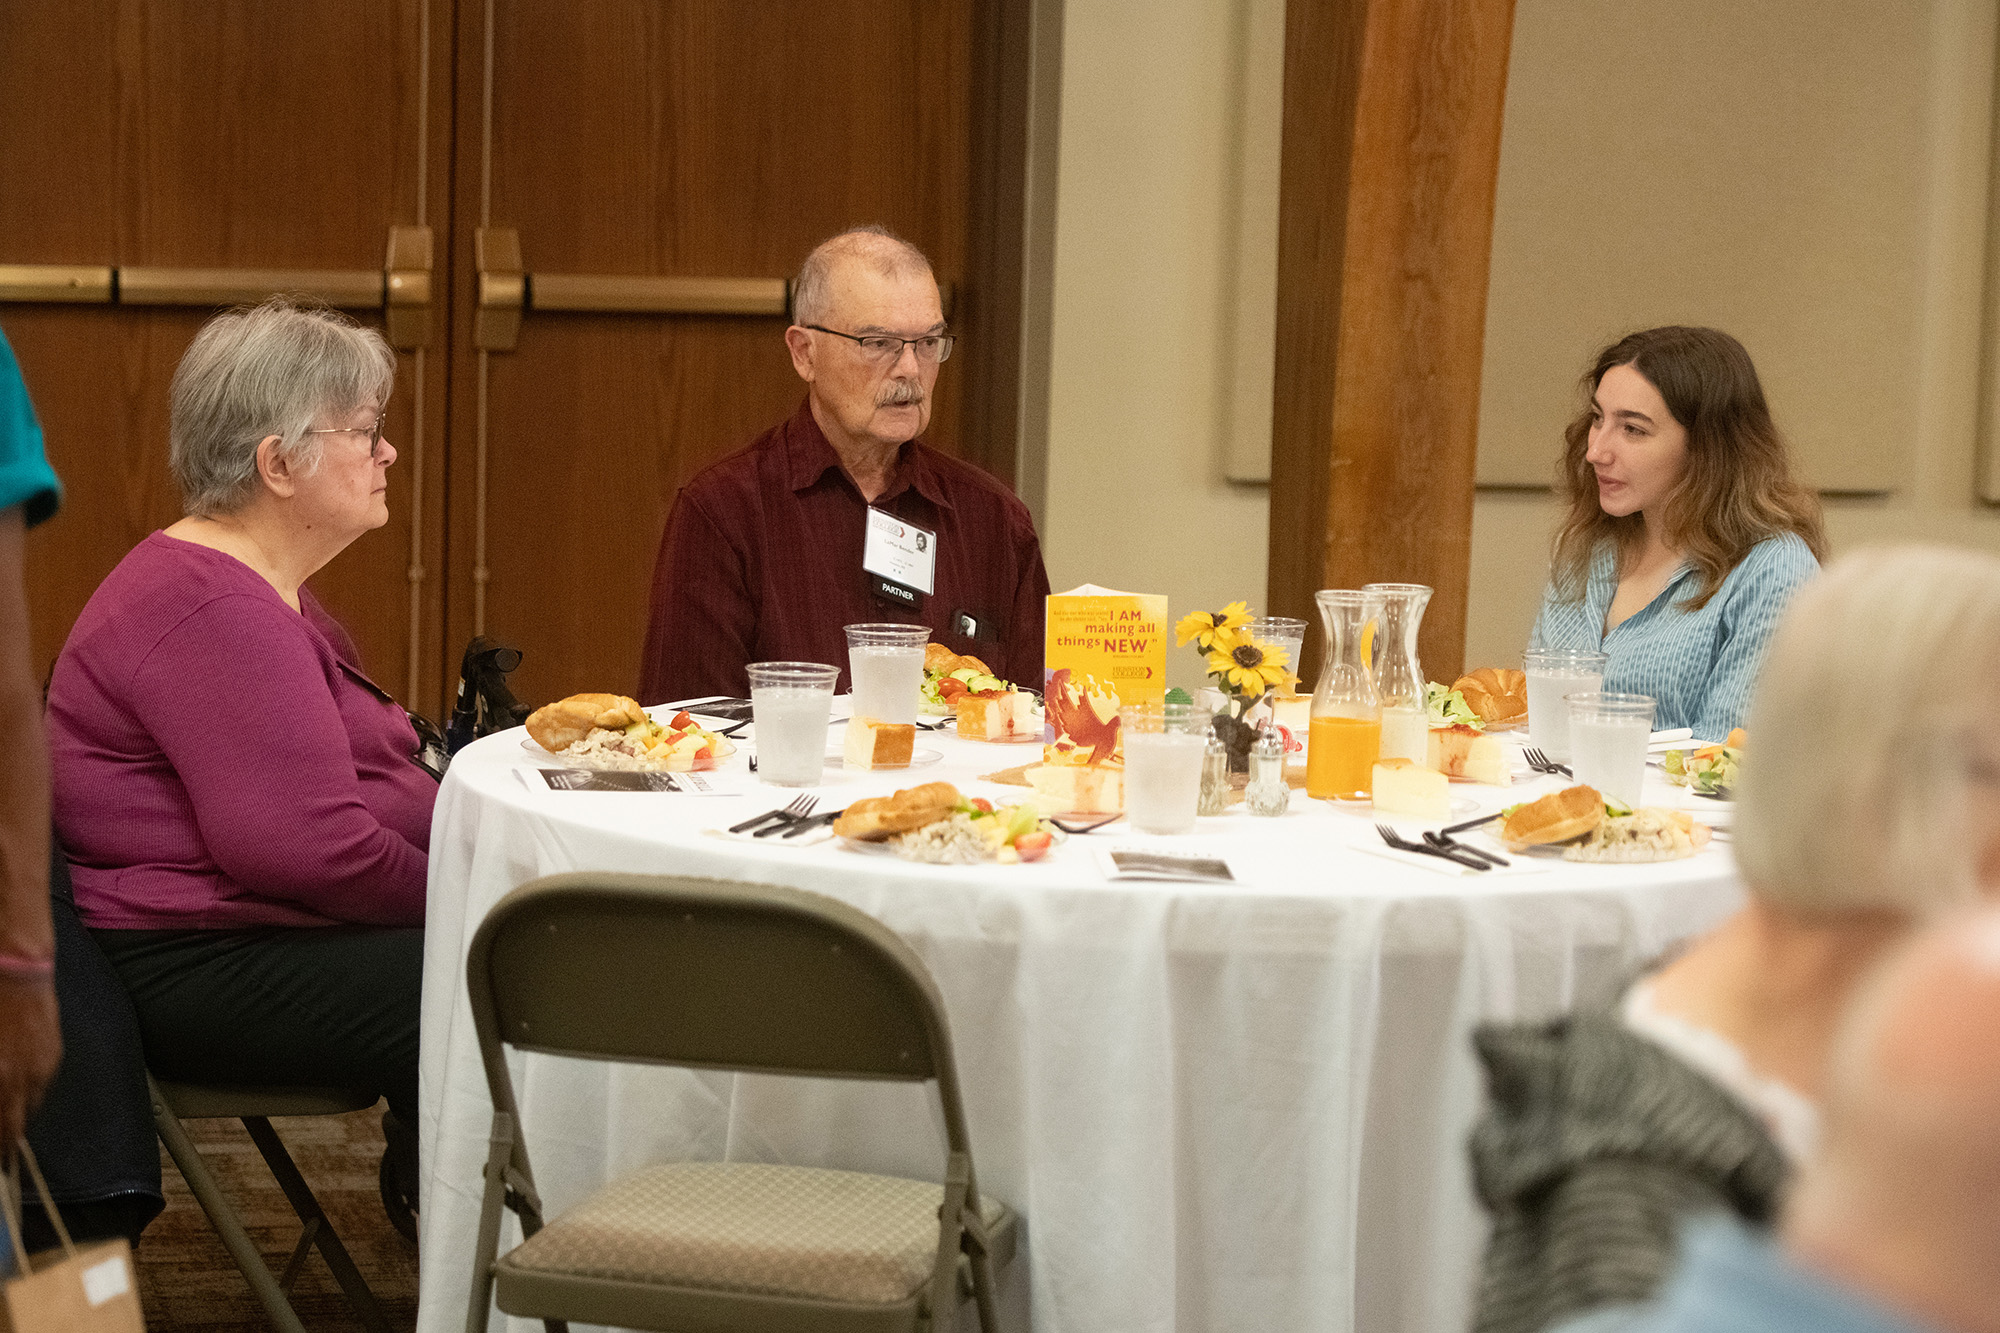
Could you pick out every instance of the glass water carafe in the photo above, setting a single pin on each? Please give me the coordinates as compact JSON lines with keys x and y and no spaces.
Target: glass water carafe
{"x":1399,"y":676}
{"x":1346,"y":714}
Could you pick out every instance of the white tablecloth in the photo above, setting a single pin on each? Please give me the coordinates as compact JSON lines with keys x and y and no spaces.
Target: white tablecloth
{"x":1224,"y":1108}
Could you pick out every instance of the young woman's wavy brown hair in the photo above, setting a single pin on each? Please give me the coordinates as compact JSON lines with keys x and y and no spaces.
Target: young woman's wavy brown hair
{"x":1738,"y":488}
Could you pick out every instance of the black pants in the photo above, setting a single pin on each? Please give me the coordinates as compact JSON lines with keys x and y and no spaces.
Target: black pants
{"x":333,"y":1007}
{"x":93,"y":1132}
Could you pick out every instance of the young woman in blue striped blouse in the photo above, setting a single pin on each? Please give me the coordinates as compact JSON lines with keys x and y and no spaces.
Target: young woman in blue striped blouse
{"x":1686,"y":532}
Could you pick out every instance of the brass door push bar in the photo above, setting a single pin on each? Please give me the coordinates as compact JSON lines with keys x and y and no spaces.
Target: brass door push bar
{"x":401,"y":287}
{"x":506,"y":291}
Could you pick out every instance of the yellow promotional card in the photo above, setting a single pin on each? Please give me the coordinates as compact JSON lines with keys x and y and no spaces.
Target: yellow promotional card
{"x":1106,"y":650}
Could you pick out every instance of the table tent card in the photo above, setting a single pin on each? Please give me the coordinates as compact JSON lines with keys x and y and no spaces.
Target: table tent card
{"x":592,"y":779}
{"x":1151,"y":863}
{"x":1106,"y":651}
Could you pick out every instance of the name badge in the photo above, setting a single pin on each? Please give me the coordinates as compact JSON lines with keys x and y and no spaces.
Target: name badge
{"x":900,"y":552}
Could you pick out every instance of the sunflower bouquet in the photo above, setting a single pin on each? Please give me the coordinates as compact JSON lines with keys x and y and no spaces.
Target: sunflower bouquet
{"x":1244,"y":668}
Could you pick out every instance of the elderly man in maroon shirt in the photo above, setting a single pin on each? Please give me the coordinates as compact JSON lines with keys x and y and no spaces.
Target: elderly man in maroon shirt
{"x":767,"y":552}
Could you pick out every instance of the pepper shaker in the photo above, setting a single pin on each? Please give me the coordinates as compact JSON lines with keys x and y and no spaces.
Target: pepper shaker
{"x":1268,"y":793}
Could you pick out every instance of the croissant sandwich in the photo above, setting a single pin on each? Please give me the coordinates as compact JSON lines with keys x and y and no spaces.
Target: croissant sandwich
{"x":874,"y":818}
{"x":1497,"y":694}
{"x":612,"y":731}
{"x":559,"y":725}
{"x":1566,"y":814}
{"x":942,"y":661}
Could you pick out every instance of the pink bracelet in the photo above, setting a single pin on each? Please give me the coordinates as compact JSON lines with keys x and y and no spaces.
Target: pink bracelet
{"x":21,"y":967}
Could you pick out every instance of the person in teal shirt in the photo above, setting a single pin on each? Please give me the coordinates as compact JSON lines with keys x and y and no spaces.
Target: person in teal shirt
{"x":26,"y":479}
{"x":1686,"y":532}
{"x":29,"y":1042}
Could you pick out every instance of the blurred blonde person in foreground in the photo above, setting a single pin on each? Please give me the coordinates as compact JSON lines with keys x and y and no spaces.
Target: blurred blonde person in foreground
{"x":1867,"y":805}
{"x":1893,"y":1225}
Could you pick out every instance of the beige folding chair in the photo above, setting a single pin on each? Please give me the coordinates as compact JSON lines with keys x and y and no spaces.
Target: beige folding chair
{"x":254,"y":1106}
{"x":717,"y":975}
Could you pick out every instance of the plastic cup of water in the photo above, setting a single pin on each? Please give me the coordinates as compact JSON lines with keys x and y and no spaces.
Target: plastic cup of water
{"x":1607,"y":739}
{"x":1164,"y":745}
{"x":885,"y":663}
{"x":790,"y":703}
{"x":1553,"y":675}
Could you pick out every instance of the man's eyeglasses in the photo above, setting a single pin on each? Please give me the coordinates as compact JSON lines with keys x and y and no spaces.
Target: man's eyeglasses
{"x":883,"y":347}
{"x":374,"y":434}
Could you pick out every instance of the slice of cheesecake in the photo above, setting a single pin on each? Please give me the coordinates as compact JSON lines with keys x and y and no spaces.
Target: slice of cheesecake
{"x":1405,"y":787}
{"x":997,"y":716}
{"x":1078,"y":789}
{"x":1461,"y":752}
{"x":872,"y":744}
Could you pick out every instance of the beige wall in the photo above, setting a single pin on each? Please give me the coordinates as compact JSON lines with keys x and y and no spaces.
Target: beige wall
{"x":1811,"y":174}
{"x":1160,"y":332}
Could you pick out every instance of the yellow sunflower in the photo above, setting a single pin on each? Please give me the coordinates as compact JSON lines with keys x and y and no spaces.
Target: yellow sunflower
{"x":1206,"y":627}
{"x":1249,"y":666}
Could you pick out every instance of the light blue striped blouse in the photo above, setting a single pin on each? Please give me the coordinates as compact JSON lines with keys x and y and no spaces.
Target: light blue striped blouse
{"x":1701,"y":664}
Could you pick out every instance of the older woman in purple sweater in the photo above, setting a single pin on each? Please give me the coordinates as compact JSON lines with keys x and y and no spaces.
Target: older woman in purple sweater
{"x":247,"y":829}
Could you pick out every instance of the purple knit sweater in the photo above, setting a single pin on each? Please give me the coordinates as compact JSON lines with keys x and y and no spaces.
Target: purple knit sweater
{"x":220,"y":761}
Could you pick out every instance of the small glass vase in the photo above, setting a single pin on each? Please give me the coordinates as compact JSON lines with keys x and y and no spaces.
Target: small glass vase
{"x":1235,"y":723}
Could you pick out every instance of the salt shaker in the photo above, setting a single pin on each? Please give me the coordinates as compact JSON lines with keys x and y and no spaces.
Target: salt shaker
{"x":1214,"y":777}
{"x":1268,"y":793}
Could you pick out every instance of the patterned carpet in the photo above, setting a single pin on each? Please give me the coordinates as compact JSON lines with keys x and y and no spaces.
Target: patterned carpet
{"x":188,"y":1282}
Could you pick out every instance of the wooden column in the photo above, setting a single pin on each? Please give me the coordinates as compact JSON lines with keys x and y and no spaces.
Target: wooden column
{"x":1391,"y":148}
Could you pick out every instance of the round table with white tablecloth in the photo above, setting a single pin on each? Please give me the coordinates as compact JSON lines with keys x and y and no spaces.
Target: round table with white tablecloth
{"x":1231,"y":1106}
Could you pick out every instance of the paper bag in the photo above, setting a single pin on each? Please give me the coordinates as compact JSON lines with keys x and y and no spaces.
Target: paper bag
{"x":76,"y":1289}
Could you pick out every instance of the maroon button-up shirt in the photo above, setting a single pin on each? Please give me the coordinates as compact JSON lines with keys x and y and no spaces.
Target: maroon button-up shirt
{"x":761,"y":562}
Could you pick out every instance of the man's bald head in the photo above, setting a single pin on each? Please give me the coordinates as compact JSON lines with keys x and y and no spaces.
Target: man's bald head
{"x":1903,"y":1197}
{"x":873,"y":245}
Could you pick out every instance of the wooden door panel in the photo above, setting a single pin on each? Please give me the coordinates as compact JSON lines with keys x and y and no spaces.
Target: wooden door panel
{"x":685,"y":139}
{"x":727,"y":139}
{"x":623,"y":411}
{"x":194,"y":135}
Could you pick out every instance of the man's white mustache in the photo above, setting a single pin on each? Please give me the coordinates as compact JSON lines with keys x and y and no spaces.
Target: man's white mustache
{"x":899,"y":393}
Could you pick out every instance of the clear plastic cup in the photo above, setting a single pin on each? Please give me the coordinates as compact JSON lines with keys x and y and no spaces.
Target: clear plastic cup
{"x":1607,"y":737}
{"x":1164,"y":744}
{"x":1553,"y":675}
{"x":885,"y":663}
{"x":1284,"y":632}
{"x":790,"y":703}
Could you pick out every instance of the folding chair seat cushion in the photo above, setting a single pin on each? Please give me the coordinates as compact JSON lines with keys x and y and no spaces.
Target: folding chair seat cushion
{"x":752,"y":1229}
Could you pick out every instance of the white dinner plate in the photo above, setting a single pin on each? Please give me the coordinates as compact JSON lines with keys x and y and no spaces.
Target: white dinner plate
{"x":918,"y":759}
{"x":1460,"y":807}
{"x":534,"y":747}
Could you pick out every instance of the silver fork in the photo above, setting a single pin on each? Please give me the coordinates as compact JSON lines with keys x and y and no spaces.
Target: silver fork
{"x":790,"y":815}
{"x":786,"y":814}
{"x":1541,"y":763}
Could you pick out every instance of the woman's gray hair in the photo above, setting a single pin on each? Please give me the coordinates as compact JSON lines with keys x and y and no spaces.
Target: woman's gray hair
{"x":255,"y":371}
{"x":890,"y":254}
{"x":1872,"y":721}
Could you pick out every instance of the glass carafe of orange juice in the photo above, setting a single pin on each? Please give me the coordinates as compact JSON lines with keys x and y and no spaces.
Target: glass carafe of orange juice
{"x":1346,"y":712}
{"x":1399,"y":676}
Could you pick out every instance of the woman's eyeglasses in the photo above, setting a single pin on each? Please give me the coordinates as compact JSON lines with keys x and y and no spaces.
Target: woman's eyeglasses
{"x":373,"y":432}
